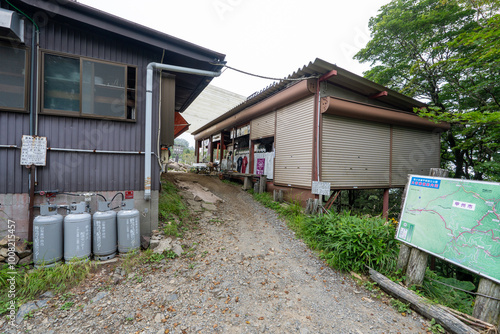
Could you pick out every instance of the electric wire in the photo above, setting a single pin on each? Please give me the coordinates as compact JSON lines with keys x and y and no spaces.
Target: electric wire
{"x":266,"y":77}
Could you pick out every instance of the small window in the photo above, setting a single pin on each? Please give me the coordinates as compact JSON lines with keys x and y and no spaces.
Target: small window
{"x":13,"y":78}
{"x":61,"y":83}
{"x":89,"y":88}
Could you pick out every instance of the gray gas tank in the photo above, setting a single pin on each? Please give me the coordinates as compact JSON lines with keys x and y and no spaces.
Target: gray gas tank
{"x":129,"y":227}
{"x":77,"y":240}
{"x":47,"y":237}
{"x":104,"y":236}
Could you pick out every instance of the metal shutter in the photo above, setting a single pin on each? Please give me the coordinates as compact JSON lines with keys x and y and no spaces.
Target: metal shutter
{"x":262,"y":126}
{"x":355,"y":153}
{"x":294,"y":143}
{"x":413,"y":152}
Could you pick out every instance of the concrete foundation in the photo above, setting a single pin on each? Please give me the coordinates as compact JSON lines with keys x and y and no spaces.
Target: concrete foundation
{"x":15,"y":207}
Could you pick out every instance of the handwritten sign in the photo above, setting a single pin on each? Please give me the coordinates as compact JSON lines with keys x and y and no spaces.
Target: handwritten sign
{"x":33,"y":151}
{"x":321,"y":188}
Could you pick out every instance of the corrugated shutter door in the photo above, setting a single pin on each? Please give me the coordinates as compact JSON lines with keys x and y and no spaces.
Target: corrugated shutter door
{"x":294,"y":143}
{"x":413,"y":152}
{"x":262,"y":126}
{"x":355,"y":153}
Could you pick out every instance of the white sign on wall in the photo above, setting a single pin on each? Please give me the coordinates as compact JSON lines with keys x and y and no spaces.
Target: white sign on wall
{"x":33,"y":151}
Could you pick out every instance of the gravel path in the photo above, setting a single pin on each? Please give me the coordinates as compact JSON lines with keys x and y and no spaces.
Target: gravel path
{"x":243,"y":271}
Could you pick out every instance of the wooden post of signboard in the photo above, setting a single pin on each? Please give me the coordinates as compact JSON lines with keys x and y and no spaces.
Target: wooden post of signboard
{"x":417,"y":260}
{"x":487,"y":309}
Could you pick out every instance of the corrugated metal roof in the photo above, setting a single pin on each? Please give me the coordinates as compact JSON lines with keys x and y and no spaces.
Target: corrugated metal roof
{"x":315,"y":69}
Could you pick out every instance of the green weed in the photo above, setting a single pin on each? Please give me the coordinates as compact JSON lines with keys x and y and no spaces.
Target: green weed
{"x":400,"y":306}
{"x":435,"y":328}
{"x":31,"y":283}
{"x":67,"y":306}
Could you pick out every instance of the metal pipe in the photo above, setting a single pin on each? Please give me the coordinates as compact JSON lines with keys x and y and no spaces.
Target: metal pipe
{"x":56,"y":149}
{"x":9,"y":146}
{"x":149,"y":111}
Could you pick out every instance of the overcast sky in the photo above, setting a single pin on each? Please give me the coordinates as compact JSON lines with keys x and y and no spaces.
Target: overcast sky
{"x":267,"y":37}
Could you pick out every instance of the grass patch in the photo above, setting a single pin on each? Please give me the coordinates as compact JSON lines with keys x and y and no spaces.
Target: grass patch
{"x":170,"y":207}
{"x":31,"y":283}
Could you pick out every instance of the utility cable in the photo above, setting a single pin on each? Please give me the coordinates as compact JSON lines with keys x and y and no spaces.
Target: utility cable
{"x":266,"y":77}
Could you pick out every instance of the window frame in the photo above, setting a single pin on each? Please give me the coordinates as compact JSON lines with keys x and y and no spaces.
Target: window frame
{"x":80,"y":113}
{"x":27,"y":71}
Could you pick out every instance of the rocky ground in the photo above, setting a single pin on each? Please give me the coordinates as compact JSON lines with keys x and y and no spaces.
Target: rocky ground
{"x":242,"y":271}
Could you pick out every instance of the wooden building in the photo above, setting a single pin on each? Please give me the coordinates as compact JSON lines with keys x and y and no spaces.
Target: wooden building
{"x":327,"y":125}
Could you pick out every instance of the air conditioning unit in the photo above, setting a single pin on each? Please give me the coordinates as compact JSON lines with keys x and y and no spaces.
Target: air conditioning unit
{"x":11,"y":25}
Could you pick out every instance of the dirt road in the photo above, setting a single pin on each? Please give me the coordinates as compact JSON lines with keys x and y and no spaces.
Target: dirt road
{"x":243,"y":271}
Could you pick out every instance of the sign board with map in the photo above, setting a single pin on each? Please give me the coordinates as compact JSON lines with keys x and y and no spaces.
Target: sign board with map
{"x":456,"y":220}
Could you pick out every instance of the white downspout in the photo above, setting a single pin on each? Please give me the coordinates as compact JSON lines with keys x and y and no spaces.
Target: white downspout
{"x":149,"y":113}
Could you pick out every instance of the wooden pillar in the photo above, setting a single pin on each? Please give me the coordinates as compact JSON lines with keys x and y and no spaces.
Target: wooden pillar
{"x":385,"y":206}
{"x":247,"y":183}
{"x":278,"y":195}
{"x":487,"y":309}
{"x":417,"y":263}
{"x":263,"y":184}
{"x":309,"y":205}
{"x":251,"y":157}
{"x":197,"y":150}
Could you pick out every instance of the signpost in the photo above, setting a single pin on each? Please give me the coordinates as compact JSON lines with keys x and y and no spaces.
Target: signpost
{"x":455,"y":220}
{"x":320,"y":188}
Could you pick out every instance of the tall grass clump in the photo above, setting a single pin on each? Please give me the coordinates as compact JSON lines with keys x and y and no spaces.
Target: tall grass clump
{"x":171,"y":205}
{"x":31,"y":283}
{"x":348,"y":242}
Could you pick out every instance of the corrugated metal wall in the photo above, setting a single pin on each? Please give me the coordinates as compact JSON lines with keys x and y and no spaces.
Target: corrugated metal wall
{"x":354,"y":152}
{"x":77,"y":171}
{"x":13,"y":177}
{"x":413,"y":152}
{"x":263,"y":126}
{"x":294,"y":143}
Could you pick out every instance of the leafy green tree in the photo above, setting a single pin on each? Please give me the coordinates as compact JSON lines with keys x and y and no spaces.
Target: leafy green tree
{"x":446,"y":53}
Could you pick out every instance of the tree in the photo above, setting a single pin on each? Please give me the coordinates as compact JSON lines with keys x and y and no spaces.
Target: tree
{"x":446,"y":53}
{"x":181,"y":142}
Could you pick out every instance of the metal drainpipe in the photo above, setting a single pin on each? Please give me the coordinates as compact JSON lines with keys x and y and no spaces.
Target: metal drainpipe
{"x":149,"y":112}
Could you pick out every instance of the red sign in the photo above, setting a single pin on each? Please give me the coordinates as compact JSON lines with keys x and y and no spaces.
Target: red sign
{"x":129,"y":194}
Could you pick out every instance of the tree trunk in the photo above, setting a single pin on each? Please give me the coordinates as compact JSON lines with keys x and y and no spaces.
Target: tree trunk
{"x":487,"y":309}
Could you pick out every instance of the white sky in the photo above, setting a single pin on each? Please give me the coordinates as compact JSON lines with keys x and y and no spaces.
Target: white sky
{"x":268,"y":37}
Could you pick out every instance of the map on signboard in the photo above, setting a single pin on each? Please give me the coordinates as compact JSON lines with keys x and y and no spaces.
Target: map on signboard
{"x":457,"y":220}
